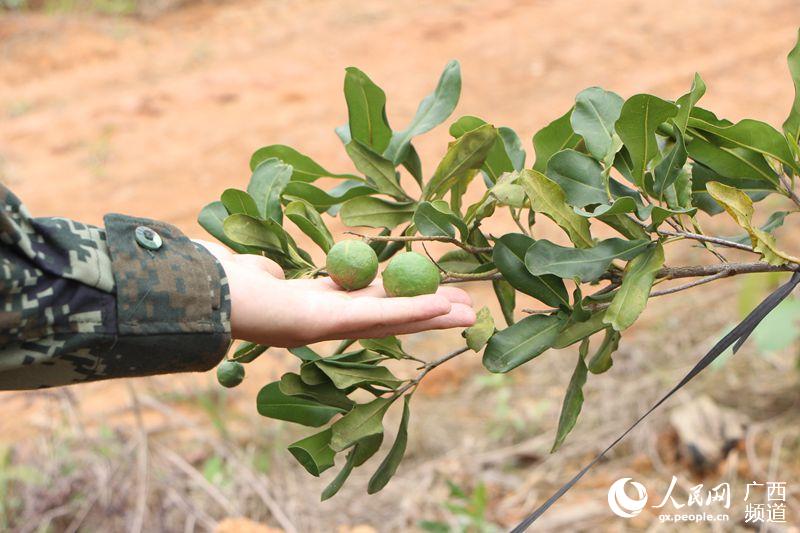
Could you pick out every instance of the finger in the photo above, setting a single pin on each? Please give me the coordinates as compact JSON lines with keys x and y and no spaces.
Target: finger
{"x":261,"y":263}
{"x":367,"y":312}
{"x":455,"y":295}
{"x":460,"y":316}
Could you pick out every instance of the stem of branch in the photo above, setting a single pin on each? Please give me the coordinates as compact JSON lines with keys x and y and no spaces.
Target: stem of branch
{"x":427,"y":367}
{"x":789,"y":189}
{"x":416,"y":238}
{"x":705,"y":238}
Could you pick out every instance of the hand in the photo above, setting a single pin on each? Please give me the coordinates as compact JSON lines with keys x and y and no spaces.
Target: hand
{"x":270,"y":310}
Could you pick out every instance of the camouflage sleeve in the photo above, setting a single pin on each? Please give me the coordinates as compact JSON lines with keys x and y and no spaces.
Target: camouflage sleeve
{"x":79,"y":303}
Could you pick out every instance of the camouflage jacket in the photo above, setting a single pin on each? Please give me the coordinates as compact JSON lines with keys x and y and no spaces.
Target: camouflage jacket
{"x":79,"y":303}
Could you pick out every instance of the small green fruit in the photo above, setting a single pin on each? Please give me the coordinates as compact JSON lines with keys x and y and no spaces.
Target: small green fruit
{"x":410,"y":274}
{"x":230,"y":373}
{"x":352,"y":264}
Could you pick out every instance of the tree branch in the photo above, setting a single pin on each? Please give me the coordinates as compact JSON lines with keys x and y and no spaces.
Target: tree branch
{"x":730,"y":269}
{"x":705,"y":238}
{"x":417,"y":238}
{"x":427,"y":367}
{"x":709,"y":274}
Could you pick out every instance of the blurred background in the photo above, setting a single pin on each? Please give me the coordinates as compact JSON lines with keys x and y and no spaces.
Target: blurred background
{"x":153,"y":107}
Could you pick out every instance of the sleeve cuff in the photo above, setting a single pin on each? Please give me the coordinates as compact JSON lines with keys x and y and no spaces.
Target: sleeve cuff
{"x":173,"y":303}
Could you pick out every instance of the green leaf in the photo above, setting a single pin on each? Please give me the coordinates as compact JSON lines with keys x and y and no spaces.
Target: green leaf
{"x":303,"y":167}
{"x":573,"y":400}
{"x":366,"y":110}
{"x":431,"y":223}
{"x":363,"y":421}
{"x":625,"y":226}
{"x":479,"y":333}
{"x":640,"y":116}
{"x":595,"y":113}
{"x":314,"y":452}
{"x":506,"y":297}
{"x":752,"y":135}
{"x":432,"y":111}
{"x":792,"y":124}
{"x":601,"y":360}
{"x":688,"y":101}
{"x":375,"y":213}
{"x":464,"y":154}
{"x":322,"y":200}
{"x":337,"y":483}
{"x":497,"y":159}
{"x":659,"y":214}
{"x":272,"y":403}
{"x":667,"y":171}
{"x":622,"y":205}
{"x":236,"y":201}
{"x":579,"y":176}
{"x":247,"y":352}
{"x":304,"y":353}
{"x":362,"y":357}
{"x":379,"y":171}
{"x":324,"y":393}
{"x":547,"y":197}
{"x":389,"y":465}
{"x":587,"y":264}
{"x":344,"y":377}
{"x":266,"y":186}
{"x":576,"y":331}
{"x":389,"y":346}
{"x":312,"y":375}
{"x":520,"y":343}
{"x":513,"y":147}
{"x":413,"y":164}
{"x":366,"y":448}
{"x":774,"y":222}
{"x":308,"y":220}
{"x":509,"y":257}
{"x":756,"y":189}
{"x":556,"y":136}
{"x":740,"y":207}
{"x":265,"y":234}
{"x":211,"y":219}
{"x":459,"y":261}
{"x":507,"y":192}
{"x":733,"y":163}
{"x":631,"y":298}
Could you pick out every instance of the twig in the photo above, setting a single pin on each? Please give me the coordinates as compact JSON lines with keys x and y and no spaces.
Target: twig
{"x":415,"y":238}
{"x":518,"y":222}
{"x":663,"y":292}
{"x":705,"y":238}
{"x":470,"y":277}
{"x":789,"y":189}
{"x":427,"y":367}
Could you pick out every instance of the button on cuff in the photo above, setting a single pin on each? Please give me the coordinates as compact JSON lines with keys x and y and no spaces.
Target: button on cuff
{"x":148,"y":238}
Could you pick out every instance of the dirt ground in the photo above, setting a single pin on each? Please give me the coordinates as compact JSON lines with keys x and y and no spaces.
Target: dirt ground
{"x":155,"y":117}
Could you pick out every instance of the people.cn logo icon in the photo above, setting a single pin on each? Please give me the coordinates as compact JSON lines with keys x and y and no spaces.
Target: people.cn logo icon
{"x":622,"y":504}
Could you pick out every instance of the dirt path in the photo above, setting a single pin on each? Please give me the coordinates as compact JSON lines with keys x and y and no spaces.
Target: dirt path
{"x":100,"y":115}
